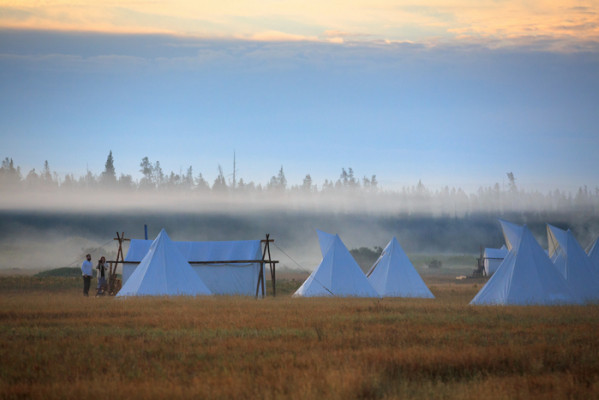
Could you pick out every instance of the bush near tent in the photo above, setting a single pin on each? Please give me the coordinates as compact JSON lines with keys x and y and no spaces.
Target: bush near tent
{"x":365,"y":256}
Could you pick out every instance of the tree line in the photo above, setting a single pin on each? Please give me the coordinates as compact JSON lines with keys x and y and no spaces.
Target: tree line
{"x":154,"y":178}
{"x":448,"y":201}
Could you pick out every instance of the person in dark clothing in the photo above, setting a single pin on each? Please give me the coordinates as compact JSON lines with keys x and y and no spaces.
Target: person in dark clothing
{"x":101,"y":276}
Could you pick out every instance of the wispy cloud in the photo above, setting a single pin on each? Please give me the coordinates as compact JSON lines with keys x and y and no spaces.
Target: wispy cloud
{"x":505,"y":22}
{"x":276,"y":36}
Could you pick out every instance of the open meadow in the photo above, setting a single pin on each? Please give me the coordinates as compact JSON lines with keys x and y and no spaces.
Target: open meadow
{"x":56,"y":344}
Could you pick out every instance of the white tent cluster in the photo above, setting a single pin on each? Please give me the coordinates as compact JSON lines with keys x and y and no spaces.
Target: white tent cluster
{"x":512,"y":233}
{"x":338,"y":274}
{"x":573,"y":263}
{"x":530,"y":275}
{"x":494,"y":257}
{"x":527,"y":274}
{"x":161,"y":267}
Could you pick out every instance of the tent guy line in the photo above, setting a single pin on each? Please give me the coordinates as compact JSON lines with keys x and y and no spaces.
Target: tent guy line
{"x":303,"y":269}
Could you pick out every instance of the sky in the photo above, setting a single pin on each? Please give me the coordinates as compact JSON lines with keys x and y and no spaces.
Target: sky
{"x":451,"y":93}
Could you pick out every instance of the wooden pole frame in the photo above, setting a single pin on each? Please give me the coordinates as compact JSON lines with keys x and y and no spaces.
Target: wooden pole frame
{"x":114,"y":285}
{"x":272,"y":263}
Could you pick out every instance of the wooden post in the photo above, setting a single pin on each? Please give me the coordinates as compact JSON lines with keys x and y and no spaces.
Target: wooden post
{"x":112,"y":281}
{"x":260,"y":280}
{"x":273,"y":276}
{"x":261,"y":273}
{"x":270,"y":263}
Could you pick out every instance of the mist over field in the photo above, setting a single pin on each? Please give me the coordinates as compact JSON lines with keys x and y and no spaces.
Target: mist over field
{"x":48,"y":221}
{"x":50,"y":238}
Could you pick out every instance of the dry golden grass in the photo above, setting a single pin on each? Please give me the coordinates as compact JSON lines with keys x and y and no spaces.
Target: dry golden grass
{"x":56,"y":344}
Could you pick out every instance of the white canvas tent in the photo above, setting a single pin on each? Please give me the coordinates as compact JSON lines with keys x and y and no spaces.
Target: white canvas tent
{"x":221,"y":278}
{"x":573,"y":263}
{"x":338,"y":275}
{"x":163,"y":271}
{"x":324,"y":240}
{"x":556,"y":237}
{"x":511,"y":233}
{"x":594,"y":254}
{"x":493,"y":258}
{"x":525,"y":277}
{"x":393,"y":275}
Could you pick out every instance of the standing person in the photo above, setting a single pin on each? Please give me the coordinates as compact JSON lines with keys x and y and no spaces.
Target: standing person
{"x":87,"y":271}
{"x":101,"y":276}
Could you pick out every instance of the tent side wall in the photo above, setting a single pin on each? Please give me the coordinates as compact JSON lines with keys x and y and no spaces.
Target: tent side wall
{"x":493,"y":259}
{"x":594,"y":255}
{"x":491,"y":265}
{"x":230,"y":279}
{"x":128,"y":269}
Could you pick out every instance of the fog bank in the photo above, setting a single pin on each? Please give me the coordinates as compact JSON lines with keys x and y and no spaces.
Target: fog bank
{"x":40,"y":240}
{"x":416,"y":200}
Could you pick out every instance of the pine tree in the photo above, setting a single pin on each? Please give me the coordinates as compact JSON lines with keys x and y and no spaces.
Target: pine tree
{"x":158,"y":174}
{"x":512,"y":183}
{"x":278,"y":182}
{"x":8,"y":173}
{"x":307,"y":184}
{"x":189,"y":178}
{"x":220,"y":184}
{"x":373,"y":182}
{"x":108,"y":177}
{"x":46,"y":173}
{"x":282,"y":181}
{"x":147,"y":169}
{"x":201,"y":183}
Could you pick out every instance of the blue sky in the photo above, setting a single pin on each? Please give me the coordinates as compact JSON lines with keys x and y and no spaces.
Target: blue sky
{"x":457,"y":113}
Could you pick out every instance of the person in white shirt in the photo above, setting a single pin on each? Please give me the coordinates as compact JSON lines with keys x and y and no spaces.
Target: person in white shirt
{"x":86,"y":271}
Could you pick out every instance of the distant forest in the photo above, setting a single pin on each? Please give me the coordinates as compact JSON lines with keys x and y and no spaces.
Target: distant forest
{"x":48,"y":221}
{"x":154,"y":178}
{"x":417,"y":199}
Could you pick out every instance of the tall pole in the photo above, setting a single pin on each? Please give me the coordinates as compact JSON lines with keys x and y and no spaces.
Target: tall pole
{"x":234,"y":170}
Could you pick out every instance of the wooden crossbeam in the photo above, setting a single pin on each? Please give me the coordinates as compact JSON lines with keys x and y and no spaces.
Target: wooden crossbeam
{"x":211,"y":262}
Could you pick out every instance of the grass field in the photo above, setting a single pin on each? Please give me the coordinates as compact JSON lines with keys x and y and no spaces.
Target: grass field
{"x":56,"y":344}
